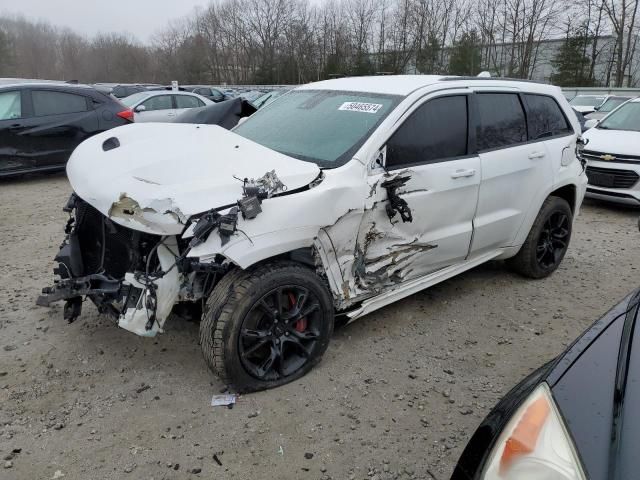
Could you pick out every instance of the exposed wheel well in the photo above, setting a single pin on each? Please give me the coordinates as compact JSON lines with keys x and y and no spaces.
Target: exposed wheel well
{"x":568,"y":193}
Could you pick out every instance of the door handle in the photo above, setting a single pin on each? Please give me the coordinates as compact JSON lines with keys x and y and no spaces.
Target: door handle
{"x":535,"y":155}
{"x":171,"y":114}
{"x":464,"y":173}
{"x":16,"y":127}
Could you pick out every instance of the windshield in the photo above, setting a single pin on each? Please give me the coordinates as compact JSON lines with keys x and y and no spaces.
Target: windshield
{"x":627,"y":117}
{"x":612,"y":103}
{"x":586,"y":101}
{"x":131,"y":100}
{"x":324,"y":127}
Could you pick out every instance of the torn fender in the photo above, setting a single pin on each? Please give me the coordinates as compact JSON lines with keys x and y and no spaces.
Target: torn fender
{"x":162,"y":174}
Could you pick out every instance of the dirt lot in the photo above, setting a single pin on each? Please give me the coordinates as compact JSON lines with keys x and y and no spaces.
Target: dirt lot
{"x":397,"y":395}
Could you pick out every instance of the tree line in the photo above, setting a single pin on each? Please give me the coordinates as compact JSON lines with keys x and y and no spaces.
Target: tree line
{"x":294,"y":41}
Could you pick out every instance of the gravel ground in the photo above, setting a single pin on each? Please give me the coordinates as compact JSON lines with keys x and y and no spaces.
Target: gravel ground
{"x":397,"y":395}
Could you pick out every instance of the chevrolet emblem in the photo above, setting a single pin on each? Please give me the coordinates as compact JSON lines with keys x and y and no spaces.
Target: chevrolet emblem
{"x":607,"y":157}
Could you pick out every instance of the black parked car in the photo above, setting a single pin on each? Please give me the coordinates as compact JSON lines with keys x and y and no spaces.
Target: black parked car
{"x":41,"y":123}
{"x":211,"y":93}
{"x":575,"y":418}
{"x":227,"y":114}
{"x":123,"y":91}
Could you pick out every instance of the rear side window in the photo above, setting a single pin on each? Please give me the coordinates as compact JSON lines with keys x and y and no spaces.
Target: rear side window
{"x":57,"y":103}
{"x":436,"y":131}
{"x":187,"y":101}
{"x":545,"y":117}
{"x":502,"y":121}
{"x":159,"y":102}
{"x":10,"y":105}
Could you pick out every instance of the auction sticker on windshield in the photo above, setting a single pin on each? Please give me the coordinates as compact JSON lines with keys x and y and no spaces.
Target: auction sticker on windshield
{"x":360,"y":107}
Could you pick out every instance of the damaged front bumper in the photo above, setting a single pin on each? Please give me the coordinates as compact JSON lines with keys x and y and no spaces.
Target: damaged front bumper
{"x":110,"y":265}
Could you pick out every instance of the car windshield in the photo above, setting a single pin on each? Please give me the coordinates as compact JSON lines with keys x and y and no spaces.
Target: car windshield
{"x":627,"y":117}
{"x":586,"y":101}
{"x":321,"y":126}
{"x":131,"y":100}
{"x":612,"y":103}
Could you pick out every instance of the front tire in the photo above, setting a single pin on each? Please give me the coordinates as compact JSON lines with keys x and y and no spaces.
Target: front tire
{"x":547,"y":242}
{"x":268,"y":326}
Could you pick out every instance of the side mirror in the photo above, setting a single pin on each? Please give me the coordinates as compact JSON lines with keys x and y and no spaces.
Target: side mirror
{"x":591,"y":123}
{"x":140,"y":108}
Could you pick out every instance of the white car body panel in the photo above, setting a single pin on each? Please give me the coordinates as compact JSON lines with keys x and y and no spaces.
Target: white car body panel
{"x":161,"y":175}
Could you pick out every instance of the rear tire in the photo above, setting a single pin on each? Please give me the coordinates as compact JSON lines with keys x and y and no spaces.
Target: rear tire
{"x":265,"y":327}
{"x":547,"y":242}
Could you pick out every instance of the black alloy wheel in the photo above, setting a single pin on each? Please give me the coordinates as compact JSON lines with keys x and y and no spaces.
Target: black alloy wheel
{"x":553,"y":241}
{"x":266,"y":326}
{"x":547,"y":241}
{"x":280,"y":333}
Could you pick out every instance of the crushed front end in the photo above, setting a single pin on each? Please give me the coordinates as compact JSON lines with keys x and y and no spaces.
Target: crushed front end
{"x":128,"y":274}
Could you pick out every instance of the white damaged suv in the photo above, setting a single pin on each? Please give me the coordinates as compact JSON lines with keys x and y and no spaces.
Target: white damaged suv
{"x":340,"y":197}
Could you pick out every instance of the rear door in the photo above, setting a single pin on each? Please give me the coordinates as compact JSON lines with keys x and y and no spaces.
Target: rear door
{"x":13,"y":145}
{"x":515,"y":172}
{"x":185,"y":102}
{"x":60,"y":120}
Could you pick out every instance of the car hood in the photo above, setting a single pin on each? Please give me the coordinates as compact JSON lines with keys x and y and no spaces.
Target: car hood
{"x":598,"y":405}
{"x":155,"y":176}
{"x":621,"y":142}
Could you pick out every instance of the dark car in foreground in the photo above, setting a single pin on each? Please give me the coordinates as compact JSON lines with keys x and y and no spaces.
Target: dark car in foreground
{"x":574,"y":418}
{"x":42,"y":123}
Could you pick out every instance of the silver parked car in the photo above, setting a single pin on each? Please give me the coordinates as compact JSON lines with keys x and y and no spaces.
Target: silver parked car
{"x":162,"y":105}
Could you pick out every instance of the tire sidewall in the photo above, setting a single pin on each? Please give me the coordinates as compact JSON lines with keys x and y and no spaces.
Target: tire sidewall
{"x":258,"y":286}
{"x":555,"y":204}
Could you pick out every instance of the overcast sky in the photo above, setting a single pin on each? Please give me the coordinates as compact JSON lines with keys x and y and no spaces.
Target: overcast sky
{"x":141,"y":18}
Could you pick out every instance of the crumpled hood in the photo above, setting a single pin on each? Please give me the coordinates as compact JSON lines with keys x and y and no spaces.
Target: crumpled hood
{"x":612,"y":141}
{"x":161,"y":174}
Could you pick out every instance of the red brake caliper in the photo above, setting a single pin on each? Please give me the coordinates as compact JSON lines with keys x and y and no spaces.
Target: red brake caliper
{"x":301,"y":325}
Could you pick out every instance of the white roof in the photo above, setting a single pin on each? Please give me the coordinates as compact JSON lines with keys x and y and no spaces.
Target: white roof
{"x":383,"y":84}
{"x":406,"y":84}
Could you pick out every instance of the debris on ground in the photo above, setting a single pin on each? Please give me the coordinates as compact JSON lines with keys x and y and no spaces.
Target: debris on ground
{"x":223,"y":400}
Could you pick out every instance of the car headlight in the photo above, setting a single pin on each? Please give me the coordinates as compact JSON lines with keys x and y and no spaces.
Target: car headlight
{"x":535,"y":444}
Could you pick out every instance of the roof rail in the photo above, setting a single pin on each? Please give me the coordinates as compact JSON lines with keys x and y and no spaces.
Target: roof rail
{"x":505,"y":79}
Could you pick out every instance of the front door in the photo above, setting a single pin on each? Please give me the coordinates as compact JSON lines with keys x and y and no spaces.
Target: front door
{"x":420,"y":210}
{"x":158,"y":108}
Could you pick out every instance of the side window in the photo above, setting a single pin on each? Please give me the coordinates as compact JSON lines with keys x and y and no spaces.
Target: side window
{"x":48,"y":102}
{"x":187,"y":101}
{"x":10,"y":105}
{"x":436,"y":131}
{"x":544,"y":117}
{"x":203,"y":91}
{"x":502,"y":121}
{"x":159,"y":102}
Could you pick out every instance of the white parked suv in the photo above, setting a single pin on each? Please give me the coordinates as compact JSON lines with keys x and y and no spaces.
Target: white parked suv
{"x":342,"y":196}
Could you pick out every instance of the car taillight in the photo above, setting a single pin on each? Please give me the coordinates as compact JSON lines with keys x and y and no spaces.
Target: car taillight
{"x":126,"y":114}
